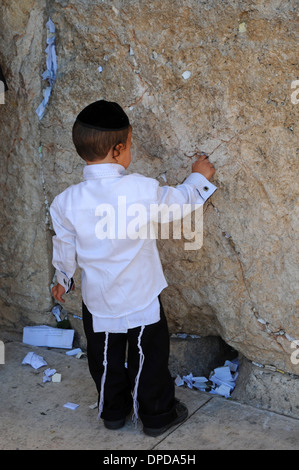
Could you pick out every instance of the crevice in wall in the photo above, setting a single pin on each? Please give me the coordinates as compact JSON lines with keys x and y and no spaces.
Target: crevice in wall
{"x":194,"y":360}
{"x":46,"y":202}
{"x":275,"y":333}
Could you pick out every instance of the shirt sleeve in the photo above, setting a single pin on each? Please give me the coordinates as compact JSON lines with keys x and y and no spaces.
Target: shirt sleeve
{"x":64,"y":247}
{"x":195,"y":190}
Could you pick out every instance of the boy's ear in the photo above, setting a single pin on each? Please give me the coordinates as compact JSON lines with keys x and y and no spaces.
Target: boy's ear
{"x":117,"y":149}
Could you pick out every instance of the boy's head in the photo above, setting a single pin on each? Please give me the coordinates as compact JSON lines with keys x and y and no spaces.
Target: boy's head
{"x":101,"y":127}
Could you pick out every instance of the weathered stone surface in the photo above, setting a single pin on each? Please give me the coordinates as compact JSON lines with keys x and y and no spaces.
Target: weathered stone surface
{"x":236,"y":105}
{"x":267,"y":389}
{"x":25,"y":262}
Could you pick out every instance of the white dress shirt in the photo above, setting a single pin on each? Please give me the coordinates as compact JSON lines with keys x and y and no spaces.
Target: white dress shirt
{"x":122,"y":274}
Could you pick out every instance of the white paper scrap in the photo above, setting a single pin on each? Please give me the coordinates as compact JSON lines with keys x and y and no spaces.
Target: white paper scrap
{"x":94,"y":406}
{"x":223,"y":373}
{"x":71,"y":406}
{"x":186,"y":75}
{"x":188,"y":379}
{"x":163,"y":176}
{"x":179,"y":381}
{"x":200,"y":383}
{"x":232,"y":365}
{"x":223,"y":390}
{"x":73,"y":352}
{"x":34,"y":360}
{"x":56,"y":312}
{"x":216,"y":381}
{"x":47,"y":374}
{"x":223,"y":380}
{"x":80,"y":354}
{"x":51,"y":70}
{"x":223,"y":376}
{"x":200,"y":386}
{"x":200,"y":379}
{"x":45,"y":335}
{"x":56,"y":378}
{"x":242,"y":28}
{"x":50,"y":25}
{"x":197,"y":382}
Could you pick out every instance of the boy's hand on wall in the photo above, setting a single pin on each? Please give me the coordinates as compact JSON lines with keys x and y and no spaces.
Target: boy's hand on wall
{"x":57,"y":292}
{"x":203,"y":166}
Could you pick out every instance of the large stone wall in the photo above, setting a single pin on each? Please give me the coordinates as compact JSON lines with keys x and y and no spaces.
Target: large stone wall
{"x":235,"y":104}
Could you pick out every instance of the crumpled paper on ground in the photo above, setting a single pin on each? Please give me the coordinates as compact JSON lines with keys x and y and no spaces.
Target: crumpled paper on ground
{"x":34,"y":360}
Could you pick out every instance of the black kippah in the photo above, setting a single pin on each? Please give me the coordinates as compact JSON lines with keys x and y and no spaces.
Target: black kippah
{"x":104,"y":116}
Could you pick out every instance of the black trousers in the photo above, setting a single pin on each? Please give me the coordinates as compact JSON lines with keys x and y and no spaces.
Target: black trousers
{"x":156,"y":387}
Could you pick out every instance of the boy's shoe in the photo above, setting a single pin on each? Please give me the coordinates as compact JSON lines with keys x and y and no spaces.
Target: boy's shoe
{"x":119,"y":423}
{"x":182,"y":413}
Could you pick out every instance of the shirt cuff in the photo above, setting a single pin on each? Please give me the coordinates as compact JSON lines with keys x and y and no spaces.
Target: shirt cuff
{"x":64,"y":281}
{"x":203,"y":186}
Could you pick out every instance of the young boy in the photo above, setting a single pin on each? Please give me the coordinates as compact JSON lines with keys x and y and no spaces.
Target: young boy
{"x":122,"y":276}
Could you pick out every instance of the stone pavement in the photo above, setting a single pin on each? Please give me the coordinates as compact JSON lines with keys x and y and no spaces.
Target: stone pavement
{"x":33,"y":416}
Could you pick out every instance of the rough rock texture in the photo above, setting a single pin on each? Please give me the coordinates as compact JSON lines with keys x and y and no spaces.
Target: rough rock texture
{"x":199,"y":355}
{"x":236,"y":105}
{"x":267,"y":389}
{"x":25,"y":261}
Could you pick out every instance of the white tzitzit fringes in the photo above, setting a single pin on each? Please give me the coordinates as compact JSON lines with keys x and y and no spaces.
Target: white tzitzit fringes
{"x":135,"y":392}
{"x":103,"y":379}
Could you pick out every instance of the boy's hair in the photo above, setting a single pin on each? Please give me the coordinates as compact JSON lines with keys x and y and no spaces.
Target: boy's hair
{"x":93,"y":144}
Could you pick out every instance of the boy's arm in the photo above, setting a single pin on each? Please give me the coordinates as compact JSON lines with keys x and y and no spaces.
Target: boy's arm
{"x":64,"y":251}
{"x":196,"y":188}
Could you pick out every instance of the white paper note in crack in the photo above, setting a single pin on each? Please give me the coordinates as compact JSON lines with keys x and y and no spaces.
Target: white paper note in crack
{"x":223,"y":373}
{"x":223,"y":390}
{"x":50,"y":72}
{"x":223,"y":376}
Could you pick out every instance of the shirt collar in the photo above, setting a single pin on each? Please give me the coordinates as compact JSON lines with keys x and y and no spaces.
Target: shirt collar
{"x":101,"y":170}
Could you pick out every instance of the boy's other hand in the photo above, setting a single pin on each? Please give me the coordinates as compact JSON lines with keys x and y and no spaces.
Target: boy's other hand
{"x":57,"y":292}
{"x":203,"y":166}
